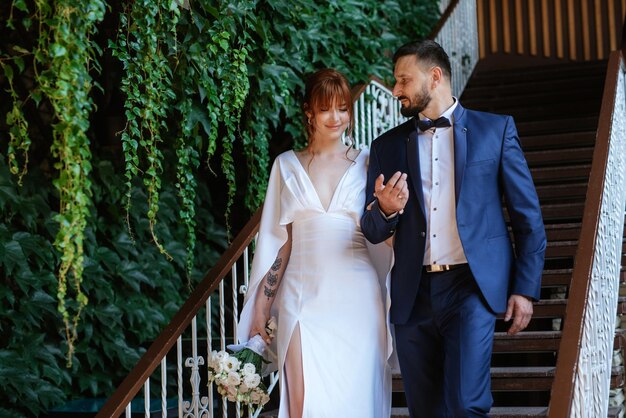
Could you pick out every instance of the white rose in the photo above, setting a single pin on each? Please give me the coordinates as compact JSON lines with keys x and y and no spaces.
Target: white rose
{"x":220,"y":362}
{"x":233,"y":379}
{"x":248,"y":369}
{"x":231,"y":364}
{"x":252,"y":380}
{"x":218,"y":356}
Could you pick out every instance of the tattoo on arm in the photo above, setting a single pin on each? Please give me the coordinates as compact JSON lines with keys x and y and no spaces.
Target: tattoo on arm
{"x":277,"y":264}
{"x":272,"y":278}
{"x":270,"y":293}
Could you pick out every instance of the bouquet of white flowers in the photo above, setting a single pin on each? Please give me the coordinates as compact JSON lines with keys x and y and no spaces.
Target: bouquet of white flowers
{"x":238,"y":375}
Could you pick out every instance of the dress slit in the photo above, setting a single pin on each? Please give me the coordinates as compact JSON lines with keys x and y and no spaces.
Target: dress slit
{"x":292,"y":388}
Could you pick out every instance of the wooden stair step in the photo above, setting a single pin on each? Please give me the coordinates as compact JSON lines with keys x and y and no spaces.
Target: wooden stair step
{"x":518,"y":411}
{"x":508,"y":379}
{"x":536,"y":89}
{"x":563,"y":210}
{"x":559,"y":156}
{"x":526,"y":341}
{"x":553,"y":126}
{"x":555,"y":308}
{"x":561,"y":249}
{"x":570,"y":191}
{"x":563,"y":231}
{"x":560,"y":277}
{"x":530,"y":110}
{"x":521,"y":378}
{"x":541,"y":341}
{"x":549,"y":308}
{"x":540,"y":72}
{"x":558,"y":141}
{"x":573,"y":173}
{"x":504,"y":105}
{"x":512,"y":412}
{"x":496,"y":412}
{"x":559,"y":212}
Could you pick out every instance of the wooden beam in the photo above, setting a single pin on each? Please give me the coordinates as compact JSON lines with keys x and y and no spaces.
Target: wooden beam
{"x":558,"y":21}
{"x":545,"y":32}
{"x":482,"y":21}
{"x":571,"y":27}
{"x":506,"y":26}
{"x":519,"y":26}
{"x":612,"y":28}
{"x":584,"y":5}
{"x":532,"y":27}
{"x":599,"y":31}
{"x":493,"y":26}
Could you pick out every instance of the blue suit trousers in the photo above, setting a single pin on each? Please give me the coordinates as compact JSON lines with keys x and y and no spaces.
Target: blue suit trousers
{"x":444,"y":349}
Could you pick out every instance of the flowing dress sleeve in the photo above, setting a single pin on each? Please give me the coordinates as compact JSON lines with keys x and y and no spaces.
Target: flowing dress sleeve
{"x":272,"y":236}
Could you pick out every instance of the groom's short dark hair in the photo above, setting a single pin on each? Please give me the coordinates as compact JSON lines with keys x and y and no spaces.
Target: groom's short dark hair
{"x":426,"y":50}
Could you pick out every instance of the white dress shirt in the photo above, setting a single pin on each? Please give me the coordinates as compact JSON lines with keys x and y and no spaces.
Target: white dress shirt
{"x":436,"y":155}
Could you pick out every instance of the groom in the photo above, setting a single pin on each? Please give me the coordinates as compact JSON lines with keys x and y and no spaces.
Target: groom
{"x":435,"y":183}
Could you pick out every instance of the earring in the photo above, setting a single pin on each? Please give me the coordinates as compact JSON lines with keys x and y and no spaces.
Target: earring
{"x":309,"y":120}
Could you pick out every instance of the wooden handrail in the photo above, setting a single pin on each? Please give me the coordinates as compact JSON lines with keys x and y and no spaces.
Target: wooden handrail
{"x":167,"y":338}
{"x":567,"y":362}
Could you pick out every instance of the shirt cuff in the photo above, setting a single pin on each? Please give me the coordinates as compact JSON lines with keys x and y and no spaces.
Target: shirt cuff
{"x":390,"y":217}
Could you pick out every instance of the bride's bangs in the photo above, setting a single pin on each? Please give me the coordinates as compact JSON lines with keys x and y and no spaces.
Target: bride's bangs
{"x":331,"y":91}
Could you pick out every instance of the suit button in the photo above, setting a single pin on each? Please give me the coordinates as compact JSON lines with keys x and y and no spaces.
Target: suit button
{"x":423,"y":234}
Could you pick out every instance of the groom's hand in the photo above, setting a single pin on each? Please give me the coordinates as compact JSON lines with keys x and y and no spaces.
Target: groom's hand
{"x":392,"y":197}
{"x":520,"y":308}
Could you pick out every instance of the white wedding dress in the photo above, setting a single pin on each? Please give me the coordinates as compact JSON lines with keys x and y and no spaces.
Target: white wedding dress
{"x":330,"y":289}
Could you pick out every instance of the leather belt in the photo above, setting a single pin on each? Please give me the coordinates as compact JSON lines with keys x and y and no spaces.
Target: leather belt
{"x":438,"y":268}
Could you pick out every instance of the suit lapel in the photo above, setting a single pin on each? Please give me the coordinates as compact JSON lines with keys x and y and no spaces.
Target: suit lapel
{"x":413,"y":162}
{"x":460,"y":149}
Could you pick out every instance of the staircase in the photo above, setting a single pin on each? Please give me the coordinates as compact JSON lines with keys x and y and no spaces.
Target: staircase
{"x":556,"y":111}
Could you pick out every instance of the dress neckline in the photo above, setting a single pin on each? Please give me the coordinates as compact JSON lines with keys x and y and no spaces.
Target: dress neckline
{"x":337,"y":187}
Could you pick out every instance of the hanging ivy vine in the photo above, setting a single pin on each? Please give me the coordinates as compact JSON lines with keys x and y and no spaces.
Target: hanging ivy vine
{"x":62,"y":55}
{"x":67,"y":84}
{"x":147,"y":83}
{"x":19,"y":141}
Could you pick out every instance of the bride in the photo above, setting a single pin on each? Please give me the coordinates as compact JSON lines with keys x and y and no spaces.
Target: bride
{"x":313,"y":271}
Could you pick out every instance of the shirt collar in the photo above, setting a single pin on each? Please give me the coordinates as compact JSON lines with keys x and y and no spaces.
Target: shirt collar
{"x":449,"y":112}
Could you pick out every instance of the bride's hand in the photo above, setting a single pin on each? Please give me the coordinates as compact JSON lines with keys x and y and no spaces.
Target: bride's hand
{"x":258,"y":327}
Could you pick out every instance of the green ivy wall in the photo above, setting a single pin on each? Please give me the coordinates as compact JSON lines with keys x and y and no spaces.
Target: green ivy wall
{"x":128,"y":130}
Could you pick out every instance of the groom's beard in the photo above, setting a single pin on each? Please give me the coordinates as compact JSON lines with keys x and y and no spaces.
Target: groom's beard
{"x":417,"y":104}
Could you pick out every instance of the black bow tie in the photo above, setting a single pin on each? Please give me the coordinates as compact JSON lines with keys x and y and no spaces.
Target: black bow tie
{"x":426,"y":124}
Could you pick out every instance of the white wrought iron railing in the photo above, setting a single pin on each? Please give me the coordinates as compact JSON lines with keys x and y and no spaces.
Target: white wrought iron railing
{"x":375,"y":111}
{"x":173,"y":372}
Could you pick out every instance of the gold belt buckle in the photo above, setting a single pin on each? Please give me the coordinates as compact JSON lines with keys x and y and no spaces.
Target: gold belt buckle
{"x":436,"y":268}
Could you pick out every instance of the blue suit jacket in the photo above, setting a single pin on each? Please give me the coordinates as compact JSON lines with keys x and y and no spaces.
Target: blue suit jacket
{"x":489,"y":165}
